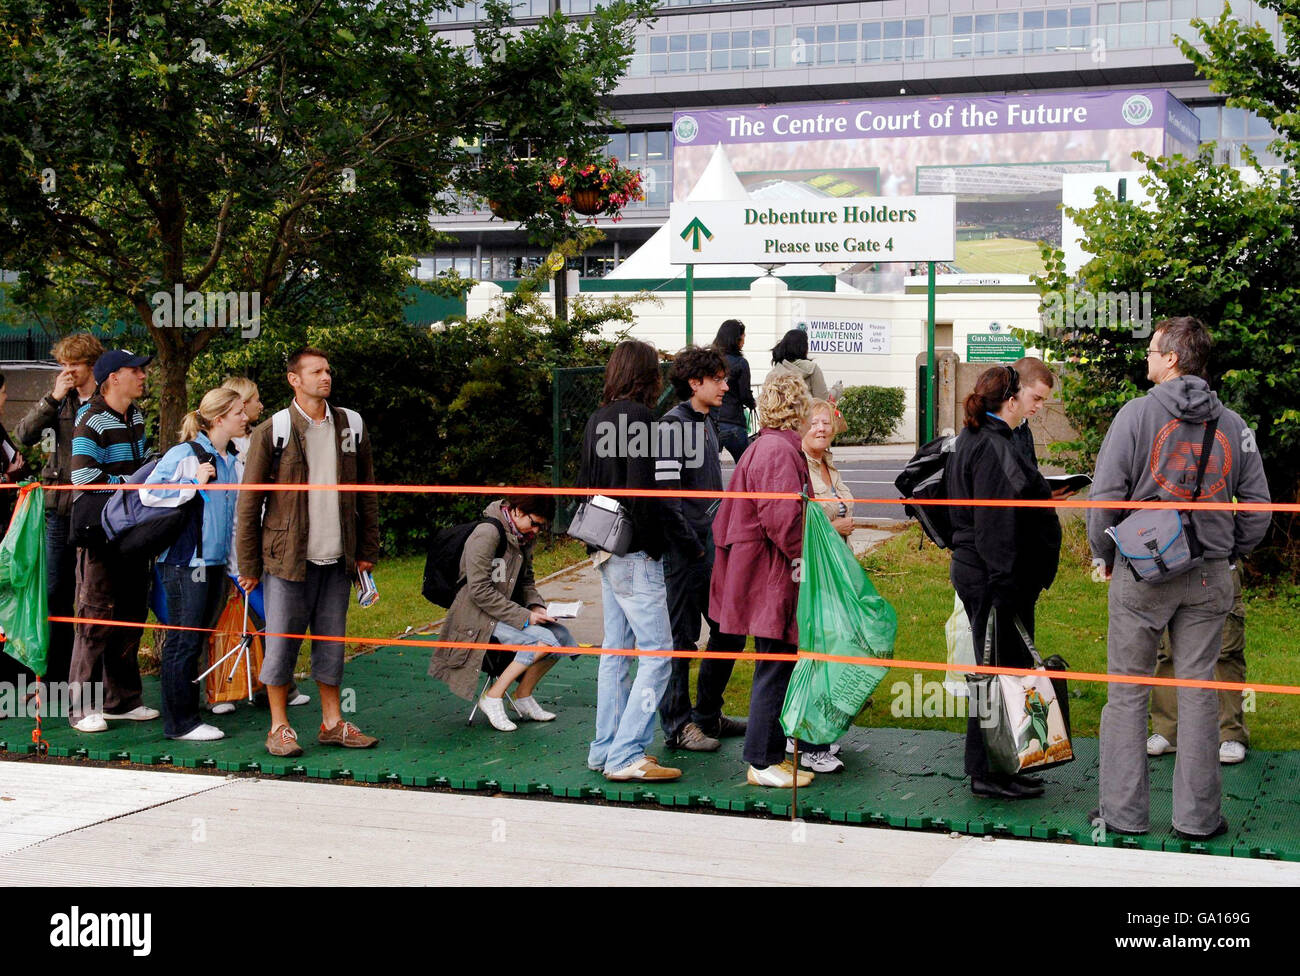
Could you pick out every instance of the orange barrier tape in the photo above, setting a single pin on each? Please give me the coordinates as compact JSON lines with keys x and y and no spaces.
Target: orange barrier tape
{"x":663,"y":493}
{"x":733,"y":656}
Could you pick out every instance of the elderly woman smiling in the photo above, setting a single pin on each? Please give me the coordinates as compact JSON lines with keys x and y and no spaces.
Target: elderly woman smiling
{"x":753,"y":589}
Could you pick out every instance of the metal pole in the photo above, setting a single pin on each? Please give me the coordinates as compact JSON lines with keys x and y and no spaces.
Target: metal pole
{"x":931,"y":374}
{"x":690,"y":303}
{"x":555,"y":427}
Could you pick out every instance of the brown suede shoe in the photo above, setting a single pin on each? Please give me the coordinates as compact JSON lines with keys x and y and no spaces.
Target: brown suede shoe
{"x":347,"y":735}
{"x":283,"y":741}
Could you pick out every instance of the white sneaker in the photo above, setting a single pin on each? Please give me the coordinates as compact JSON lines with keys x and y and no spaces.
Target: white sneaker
{"x":1158,"y":745}
{"x":299,"y":699}
{"x":781,"y":775}
{"x":1232,"y":752}
{"x":202,"y":733}
{"x":141,"y":713}
{"x":528,"y":708}
{"x":821,"y":762}
{"x":94,"y":722}
{"x":223,"y":708}
{"x":495,"y":710}
{"x":833,"y":749}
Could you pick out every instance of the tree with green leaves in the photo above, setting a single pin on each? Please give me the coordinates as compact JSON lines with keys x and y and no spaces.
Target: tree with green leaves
{"x":1215,"y":242}
{"x":188,"y":165}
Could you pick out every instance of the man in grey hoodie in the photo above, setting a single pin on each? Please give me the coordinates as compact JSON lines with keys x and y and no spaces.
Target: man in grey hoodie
{"x":1152,"y":450}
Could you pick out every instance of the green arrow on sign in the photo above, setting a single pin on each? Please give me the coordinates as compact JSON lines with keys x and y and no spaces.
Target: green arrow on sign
{"x":693,"y":231}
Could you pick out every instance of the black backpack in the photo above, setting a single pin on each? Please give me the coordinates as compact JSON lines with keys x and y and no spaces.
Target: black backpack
{"x":924,"y":477}
{"x":442,"y":579}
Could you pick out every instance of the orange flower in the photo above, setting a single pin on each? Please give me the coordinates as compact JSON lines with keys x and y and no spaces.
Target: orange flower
{"x":556,"y":181}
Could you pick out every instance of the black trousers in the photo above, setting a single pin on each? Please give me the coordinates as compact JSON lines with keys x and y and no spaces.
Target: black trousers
{"x":687,"y":581}
{"x":971,"y":583}
{"x":764,"y":737}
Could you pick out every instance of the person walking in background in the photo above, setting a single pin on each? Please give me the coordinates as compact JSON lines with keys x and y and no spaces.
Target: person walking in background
{"x":1002,"y":557}
{"x":753,"y":590}
{"x":309,"y":544}
{"x":1155,"y":449}
{"x":733,"y":432}
{"x":790,"y":357}
{"x":688,"y":461}
{"x":192,"y":569}
{"x":617,"y":453}
{"x":50,"y":422}
{"x":108,"y":446}
{"x":499,"y":599}
{"x":823,"y":757}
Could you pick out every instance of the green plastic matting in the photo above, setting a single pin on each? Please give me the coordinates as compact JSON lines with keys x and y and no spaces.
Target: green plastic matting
{"x":894,"y":777}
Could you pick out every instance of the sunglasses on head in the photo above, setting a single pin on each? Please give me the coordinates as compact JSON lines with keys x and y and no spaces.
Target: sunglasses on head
{"x":1013,"y":383}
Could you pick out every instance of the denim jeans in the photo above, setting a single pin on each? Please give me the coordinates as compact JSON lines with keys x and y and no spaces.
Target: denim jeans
{"x":551,"y":635}
{"x":319,"y":602}
{"x":734,"y":438}
{"x":636,"y":614}
{"x":190,"y":603}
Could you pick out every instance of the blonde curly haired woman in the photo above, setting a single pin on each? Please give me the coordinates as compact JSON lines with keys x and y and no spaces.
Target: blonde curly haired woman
{"x":753,"y":589}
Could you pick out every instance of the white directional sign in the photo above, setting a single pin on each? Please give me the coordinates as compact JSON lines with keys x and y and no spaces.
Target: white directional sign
{"x":856,"y":229}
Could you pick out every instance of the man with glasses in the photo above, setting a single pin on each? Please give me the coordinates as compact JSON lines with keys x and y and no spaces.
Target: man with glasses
{"x":1153,"y":450}
{"x":498,"y":600}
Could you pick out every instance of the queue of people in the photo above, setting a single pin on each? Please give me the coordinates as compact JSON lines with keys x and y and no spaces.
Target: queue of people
{"x":688,"y":561}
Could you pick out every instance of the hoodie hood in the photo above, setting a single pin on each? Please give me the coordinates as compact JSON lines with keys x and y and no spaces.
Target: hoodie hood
{"x":1188,"y":398}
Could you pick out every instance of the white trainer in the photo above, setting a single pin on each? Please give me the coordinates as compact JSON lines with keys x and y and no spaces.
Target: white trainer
{"x":781,"y":776}
{"x":94,"y":722}
{"x":1232,"y":752}
{"x":1158,"y":745}
{"x":821,"y":762}
{"x":833,"y":749}
{"x":528,"y":708}
{"x":223,"y":708}
{"x":202,"y":733}
{"x":495,"y":710}
{"x":141,"y":713}
{"x":299,"y":699}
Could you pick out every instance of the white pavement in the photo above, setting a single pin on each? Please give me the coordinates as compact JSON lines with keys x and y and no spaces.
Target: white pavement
{"x":75,"y":825}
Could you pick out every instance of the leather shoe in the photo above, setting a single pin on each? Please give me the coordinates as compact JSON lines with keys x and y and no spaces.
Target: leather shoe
{"x":1024,"y":779}
{"x":1000,"y":789}
{"x":1095,"y":815}
{"x":1218,"y":831}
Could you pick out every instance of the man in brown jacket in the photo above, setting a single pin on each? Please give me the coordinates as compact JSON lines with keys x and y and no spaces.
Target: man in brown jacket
{"x":309,"y":544}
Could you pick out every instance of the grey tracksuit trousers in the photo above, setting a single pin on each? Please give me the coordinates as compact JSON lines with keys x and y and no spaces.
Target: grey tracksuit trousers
{"x":1193,"y":606}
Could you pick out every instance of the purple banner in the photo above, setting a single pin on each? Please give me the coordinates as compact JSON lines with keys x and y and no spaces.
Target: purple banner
{"x":1153,"y":108}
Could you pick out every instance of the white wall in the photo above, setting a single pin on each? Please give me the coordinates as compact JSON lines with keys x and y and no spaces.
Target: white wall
{"x":769,"y":309}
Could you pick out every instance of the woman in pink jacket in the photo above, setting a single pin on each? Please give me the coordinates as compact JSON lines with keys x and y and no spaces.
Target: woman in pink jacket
{"x":753,"y":590}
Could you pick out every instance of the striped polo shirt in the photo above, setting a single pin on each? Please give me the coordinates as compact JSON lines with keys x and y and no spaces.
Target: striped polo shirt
{"x":106,"y":447}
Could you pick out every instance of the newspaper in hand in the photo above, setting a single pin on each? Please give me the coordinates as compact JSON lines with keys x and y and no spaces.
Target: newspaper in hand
{"x":557,"y":609}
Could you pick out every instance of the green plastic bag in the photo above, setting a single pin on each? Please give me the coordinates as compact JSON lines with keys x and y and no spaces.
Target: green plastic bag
{"x":840,"y":613}
{"x":24,"y":613}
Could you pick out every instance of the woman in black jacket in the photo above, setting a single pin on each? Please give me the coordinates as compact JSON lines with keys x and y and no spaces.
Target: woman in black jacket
{"x":732,"y":430}
{"x":618,"y":451}
{"x":1002,"y":557}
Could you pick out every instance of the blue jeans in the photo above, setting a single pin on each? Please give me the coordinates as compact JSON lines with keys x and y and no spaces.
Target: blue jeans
{"x":734,"y":438}
{"x":189,"y":604}
{"x":636,"y":613}
{"x":551,"y":635}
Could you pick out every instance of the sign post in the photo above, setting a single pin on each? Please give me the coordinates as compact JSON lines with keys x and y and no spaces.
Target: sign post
{"x":931,"y":374}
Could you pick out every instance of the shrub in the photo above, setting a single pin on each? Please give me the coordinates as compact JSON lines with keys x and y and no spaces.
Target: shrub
{"x":467,"y":405}
{"x":872,"y":413}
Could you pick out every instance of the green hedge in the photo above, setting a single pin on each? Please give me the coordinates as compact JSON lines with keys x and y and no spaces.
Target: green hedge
{"x":872,"y":413}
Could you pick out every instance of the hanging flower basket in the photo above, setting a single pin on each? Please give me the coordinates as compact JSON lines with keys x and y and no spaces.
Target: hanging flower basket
{"x":503,"y":211}
{"x":589,"y":202}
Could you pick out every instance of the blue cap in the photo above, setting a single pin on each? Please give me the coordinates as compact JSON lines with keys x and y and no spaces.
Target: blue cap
{"x":115,"y":359}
